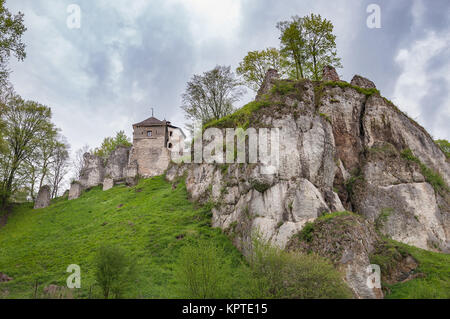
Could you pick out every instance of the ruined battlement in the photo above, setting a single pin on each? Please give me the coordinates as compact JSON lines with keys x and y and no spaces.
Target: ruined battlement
{"x":150,"y":155}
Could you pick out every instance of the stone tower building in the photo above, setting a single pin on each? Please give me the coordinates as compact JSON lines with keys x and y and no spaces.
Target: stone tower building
{"x":153,"y":142}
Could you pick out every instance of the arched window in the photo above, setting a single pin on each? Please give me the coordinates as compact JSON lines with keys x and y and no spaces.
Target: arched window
{"x":170,"y":145}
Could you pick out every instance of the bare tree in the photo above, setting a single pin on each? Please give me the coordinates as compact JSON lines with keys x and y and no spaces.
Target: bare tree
{"x":78,"y":161}
{"x":59,"y":167}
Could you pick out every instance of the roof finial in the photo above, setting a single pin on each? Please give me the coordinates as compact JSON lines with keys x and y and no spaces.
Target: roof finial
{"x":152,"y":112}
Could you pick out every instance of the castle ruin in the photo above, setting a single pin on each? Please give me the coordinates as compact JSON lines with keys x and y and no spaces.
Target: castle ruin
{"x":154,"y":141}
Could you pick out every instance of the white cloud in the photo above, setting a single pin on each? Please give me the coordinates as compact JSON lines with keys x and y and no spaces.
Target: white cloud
{"x":212,"y":19}
{"x":129,"y":56}
{"x":416,"y":82}
{"x":129,"y":10}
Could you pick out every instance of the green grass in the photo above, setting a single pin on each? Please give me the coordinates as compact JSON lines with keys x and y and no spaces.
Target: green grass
{"x":153,"y":224}
{"x":306,"y":234}
{"x":444,"y":145}
{"x":326,"y":117}
{"x":383,"y":217}
{"x":432,"y":177}
{"x":343,"y":85}
{"x":319,"y":90}
{"x":435,"y":267}
{"x":283,"y":87}
{"x":240,"y":118}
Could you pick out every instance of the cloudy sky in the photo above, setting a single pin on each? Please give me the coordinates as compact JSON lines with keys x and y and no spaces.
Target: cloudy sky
{"x":131,"y":55}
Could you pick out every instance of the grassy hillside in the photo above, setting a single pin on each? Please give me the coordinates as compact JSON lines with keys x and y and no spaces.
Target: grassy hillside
{"x":435,"y":267}
{"x":151,"y":221}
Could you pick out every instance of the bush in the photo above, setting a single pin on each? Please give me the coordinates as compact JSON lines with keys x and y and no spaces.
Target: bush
{"x":432,"y":177}
{"x":290,"y":275}
{"x":114,"y":271}
{"x":202,"y":271}
{"x":205,"y":272}
{"x":444,"y":145}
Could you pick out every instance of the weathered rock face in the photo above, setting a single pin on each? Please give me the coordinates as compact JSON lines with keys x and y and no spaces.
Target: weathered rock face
{"x":131,"y":177}
{"x":340,"y":149}
{"x":267,"y":84}
{"x":75,"y":190}
{"x":348,"y":240}
{"x":116,"y":166}
{"x":383,"y":122}
{"x":108,"y":183}
{"x":370,"y":133}
{"x":395,"y":195}
{"x":43,"y":198}
{"x":330,"y":74}
{"x":93,"y":171}
{"x":280,"y":204}
{"x":362,"y":82}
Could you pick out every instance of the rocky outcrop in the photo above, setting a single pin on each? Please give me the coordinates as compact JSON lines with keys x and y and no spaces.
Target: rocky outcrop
{"x":267,"y":84}
{"x":340,"y":149}
{"x":330,"y":74}
{"x":108,"y":183}
{"x":75,"y":190}
{"x":93,"y":171}
{"x":116,"y":165}
{"x":348,"y":240}
{"x":383,"y":122}
{"x":96,"y":171}
{"x":43,"y":198}
{"x":362,"y":82}
{"x":395,"y":195}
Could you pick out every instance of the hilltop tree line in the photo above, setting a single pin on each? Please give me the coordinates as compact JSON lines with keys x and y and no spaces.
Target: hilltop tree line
{"x":307,"y":44}
{"x":33,"y":152}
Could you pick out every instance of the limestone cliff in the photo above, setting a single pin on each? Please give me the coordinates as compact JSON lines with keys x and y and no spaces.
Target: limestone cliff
{"x":343,"y":147}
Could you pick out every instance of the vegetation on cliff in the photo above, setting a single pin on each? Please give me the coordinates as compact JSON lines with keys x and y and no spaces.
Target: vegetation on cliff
{"x":173,"y":248}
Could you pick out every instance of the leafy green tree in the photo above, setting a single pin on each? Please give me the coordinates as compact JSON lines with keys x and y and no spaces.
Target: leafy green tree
{"x":255,"y":64}
{"x":6,"y":92}
{"x":293,"y":44}
{"x":2,"y":129}
{"x":47,"y":164}
{"x":320,"y":45}
{"x":201,"y":271}
{"x":211,"y":95}
{"x":115,"y":272}
{"x":59,"y":167}
{"x":11,"y":31}
{"x":309,"y":44}
{"x":109,"y":144}
{"x":26,"y":123}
